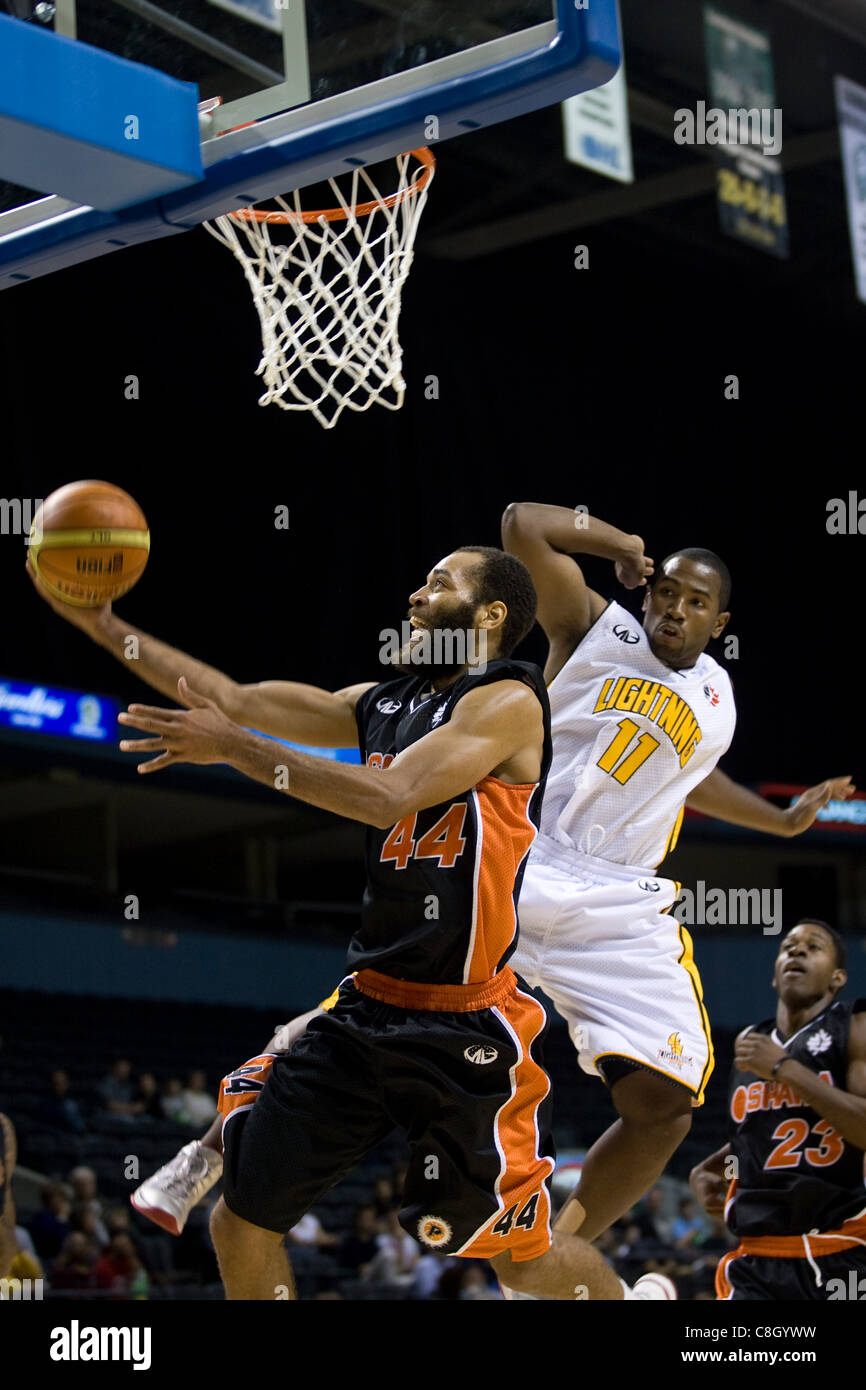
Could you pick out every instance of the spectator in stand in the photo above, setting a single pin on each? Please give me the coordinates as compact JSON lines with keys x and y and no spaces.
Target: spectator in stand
{"x":383,"y":1197}
{"x":474,"y":1285}
{"x":310,"y":1232}
{"x":397,"y":1253}
{"x":358,"y":1250}
{"x":688,"y":1227}
{"x":173,"y":1106}
{"x":82,"y":1180}
{"x":58,"y":1109}
{"x":85,"y":1220}
{"x":198,"y":1102}
{"x":428,"y":1273}
{"x":650,"y":1216}
{"x":120,"y":1270}
{"x":73,"y":1268}
{"x":148,"y":1097}
{"x":50,"y":1226}
{"x":398,"y":1179}
{"x":117,"y":1092}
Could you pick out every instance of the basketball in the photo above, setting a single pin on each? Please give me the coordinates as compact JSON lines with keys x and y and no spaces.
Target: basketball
{"x":89,"y":543}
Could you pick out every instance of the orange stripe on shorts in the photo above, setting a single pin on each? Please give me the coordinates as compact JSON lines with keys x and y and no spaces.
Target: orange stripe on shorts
{"x":523,"y":1172}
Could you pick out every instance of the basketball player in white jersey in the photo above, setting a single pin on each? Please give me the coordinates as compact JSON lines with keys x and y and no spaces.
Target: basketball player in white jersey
{"x":640,"y":717}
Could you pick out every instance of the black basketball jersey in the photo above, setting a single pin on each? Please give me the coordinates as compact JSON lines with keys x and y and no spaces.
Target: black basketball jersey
{"x":796,"y":1173}
{"x":440,"y":905}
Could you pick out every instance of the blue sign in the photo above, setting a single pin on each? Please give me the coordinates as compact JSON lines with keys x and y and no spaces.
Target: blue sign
{"x":77,"y":714}
{"x":48,"y":710}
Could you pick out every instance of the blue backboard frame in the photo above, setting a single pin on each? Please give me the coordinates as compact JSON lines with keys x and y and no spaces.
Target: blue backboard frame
{"x":497,"y":81}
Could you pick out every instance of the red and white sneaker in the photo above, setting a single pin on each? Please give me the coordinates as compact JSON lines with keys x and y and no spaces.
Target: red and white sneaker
{"x":170,"y":1195}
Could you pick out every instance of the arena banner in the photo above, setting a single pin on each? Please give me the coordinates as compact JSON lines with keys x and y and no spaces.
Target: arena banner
{"x":597,"y":133}
{"x":743,"y":123}
{"x":851,"y":106}
{"x":27,"y":707}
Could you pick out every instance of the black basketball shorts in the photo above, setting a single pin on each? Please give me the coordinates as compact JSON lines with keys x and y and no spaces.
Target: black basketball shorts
{"x":467,"y":1086}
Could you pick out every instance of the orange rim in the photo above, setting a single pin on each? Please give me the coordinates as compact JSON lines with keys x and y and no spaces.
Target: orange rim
{"x":423,"y":155}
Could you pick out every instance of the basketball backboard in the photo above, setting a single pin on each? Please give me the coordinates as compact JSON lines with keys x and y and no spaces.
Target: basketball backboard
{"x":327,"y":84}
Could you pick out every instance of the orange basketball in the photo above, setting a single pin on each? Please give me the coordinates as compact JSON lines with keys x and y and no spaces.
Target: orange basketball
{"x":89,"y":543}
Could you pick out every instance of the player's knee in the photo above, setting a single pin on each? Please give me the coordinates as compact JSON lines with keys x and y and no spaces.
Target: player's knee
{"x":231,"y":1232}
{"x":649,"y":1102}
{"x":520,"y":1276}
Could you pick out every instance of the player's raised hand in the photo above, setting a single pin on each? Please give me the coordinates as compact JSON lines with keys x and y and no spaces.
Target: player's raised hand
{"x":634,"y":569}
{"x":90,"y":620}
{"x":804,"y":810}
{"x":757,"y":1053}
{"x":199,"y":734}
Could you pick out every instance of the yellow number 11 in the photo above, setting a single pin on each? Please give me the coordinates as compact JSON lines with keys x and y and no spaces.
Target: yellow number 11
{"x":646,"y":744}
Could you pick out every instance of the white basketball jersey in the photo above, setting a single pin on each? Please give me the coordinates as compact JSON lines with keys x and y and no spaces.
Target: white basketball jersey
{"x":631,"y":739}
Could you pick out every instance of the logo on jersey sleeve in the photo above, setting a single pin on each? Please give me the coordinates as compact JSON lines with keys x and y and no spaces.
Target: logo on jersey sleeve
{"x":712,"y":695}
{"x":625,"y":635}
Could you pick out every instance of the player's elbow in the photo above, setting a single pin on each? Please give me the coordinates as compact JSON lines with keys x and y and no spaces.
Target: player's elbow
{"x":389,"y":807}
{"x":513,"y":519}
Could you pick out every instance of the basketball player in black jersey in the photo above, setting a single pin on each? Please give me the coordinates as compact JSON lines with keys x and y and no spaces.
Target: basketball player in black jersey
{"x":8,"y":1154}
{"x":793,"y":1170}
{"x":433,"y":1033}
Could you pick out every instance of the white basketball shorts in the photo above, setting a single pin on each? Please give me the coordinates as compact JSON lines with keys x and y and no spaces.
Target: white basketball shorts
{"x":599,"y":939}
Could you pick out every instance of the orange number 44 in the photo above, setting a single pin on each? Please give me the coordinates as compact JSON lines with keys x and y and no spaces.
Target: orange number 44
{"x":443,"y":841}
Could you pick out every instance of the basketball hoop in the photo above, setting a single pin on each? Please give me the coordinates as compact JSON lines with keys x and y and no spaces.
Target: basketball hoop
{"x":329,"y":295}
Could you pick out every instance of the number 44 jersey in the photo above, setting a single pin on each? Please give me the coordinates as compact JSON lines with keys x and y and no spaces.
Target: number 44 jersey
{"x":442,"y":884}
{"x":632,"y":738}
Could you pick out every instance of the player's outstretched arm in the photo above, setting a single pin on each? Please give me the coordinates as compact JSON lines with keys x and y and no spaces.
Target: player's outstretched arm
{"x":283,"y":709}
{"x":498,"y":728}
{"x":709,"y":1182}
{"x":545,"y":538}
{"x":720,"y":797}
{"x":845,"y":1110}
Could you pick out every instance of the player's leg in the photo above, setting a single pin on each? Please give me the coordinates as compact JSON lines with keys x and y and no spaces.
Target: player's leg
{"x":628,"y":1159}
{"x":318,"y":1115}
{"x":8,"y":1157}
{"x":169,"y":1195}
{"x":634,"y":1004}
{"x":253,"y":1262}
{"x":478,"y":1111}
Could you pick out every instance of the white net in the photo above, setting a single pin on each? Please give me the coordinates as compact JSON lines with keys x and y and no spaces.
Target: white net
{"x":328,"y":290}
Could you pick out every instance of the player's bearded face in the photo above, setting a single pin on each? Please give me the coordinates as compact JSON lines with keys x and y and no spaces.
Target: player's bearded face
{"x":443,"y":642}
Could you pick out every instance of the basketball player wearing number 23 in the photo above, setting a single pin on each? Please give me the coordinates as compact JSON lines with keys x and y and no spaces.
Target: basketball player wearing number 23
{"x":791,"y":1179}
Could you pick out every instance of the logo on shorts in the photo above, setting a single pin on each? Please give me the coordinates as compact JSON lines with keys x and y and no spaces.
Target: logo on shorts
{"x":625,"y":635}
{"x":385,"y":706}
{"x":673,"y":1053}
{"x":649,"y":885}
{"x":819,"y":1042}
{"x":712,"y":695}
{"x":480,"y":1054}
{"x":433,"y":1231}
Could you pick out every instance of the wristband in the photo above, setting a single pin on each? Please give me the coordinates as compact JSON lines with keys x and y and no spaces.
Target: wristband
{"x":786,"y":1058}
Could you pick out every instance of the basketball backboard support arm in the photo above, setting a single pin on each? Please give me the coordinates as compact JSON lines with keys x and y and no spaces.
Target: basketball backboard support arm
{"x":490,"y":82}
